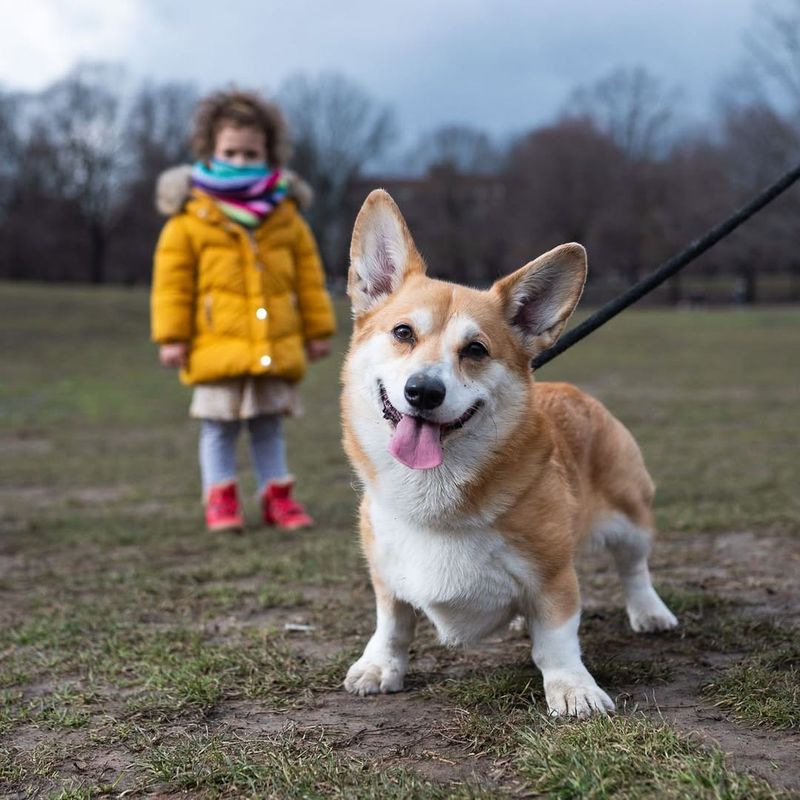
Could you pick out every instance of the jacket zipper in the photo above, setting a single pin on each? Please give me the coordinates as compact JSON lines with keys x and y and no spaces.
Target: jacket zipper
{"x":254,"y":244}
{"x":207,"y":306}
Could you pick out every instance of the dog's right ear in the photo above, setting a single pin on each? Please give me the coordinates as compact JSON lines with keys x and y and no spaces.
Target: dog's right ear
{"x":539,"y":298}
{"x":382,"y":253}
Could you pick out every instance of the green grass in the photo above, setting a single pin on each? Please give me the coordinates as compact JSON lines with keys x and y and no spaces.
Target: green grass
{"x":630,"y":756}
{"x":295,"y":766}
{"x":762,"y":690}
{"x":166,"y":670}
{"x":713,"y":400}
{"x":126,"y":628}
{"x":625,"y":758}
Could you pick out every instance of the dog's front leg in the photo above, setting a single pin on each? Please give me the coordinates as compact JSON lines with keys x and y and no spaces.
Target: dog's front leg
{"x":569,"y":688}
{"x":383,"y":665}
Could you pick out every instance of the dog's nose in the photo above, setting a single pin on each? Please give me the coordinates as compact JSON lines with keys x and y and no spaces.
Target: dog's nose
{"x":424,"y":391}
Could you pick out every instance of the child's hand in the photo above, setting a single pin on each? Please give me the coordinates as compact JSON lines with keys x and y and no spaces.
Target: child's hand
{"x":317,"y":349}
{"x":173,"y":354}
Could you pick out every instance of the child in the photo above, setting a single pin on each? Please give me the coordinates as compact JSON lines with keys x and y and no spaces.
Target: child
{"x":239,"y":301}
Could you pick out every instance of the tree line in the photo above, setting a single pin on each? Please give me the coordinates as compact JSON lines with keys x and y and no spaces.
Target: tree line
{"x":618,"y":169}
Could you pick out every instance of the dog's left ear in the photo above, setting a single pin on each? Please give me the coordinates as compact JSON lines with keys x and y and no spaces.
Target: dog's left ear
{"x":539,"y":298}
{"x":382,"y":253}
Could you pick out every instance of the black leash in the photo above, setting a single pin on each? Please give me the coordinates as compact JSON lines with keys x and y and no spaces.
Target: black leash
{"x":667,"y":269}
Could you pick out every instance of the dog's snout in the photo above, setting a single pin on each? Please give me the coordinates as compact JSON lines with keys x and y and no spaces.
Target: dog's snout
{"x":424,"y":391}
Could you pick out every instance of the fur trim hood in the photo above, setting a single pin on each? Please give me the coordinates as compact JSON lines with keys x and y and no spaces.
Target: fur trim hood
{"x":174,"y":187}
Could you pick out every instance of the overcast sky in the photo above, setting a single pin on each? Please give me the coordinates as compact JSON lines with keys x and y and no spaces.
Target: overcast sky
{"x":496,"y":64}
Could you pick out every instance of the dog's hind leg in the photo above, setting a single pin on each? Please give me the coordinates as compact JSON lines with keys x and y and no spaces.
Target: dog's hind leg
{"x":629,"y":544}
{"x":382,"y":667}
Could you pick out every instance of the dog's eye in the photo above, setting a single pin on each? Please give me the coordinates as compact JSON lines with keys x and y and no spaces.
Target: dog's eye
{"x":403,"y":333}
{"x":475,"y":350}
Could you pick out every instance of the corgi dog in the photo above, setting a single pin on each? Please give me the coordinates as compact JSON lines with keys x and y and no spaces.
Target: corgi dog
{"x":480,"y":484}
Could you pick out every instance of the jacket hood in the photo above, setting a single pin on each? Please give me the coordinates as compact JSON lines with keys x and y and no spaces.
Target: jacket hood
{"x":174,"y":187}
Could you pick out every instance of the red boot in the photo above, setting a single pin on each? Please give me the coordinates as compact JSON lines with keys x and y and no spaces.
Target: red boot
{"x":223,"y":512}
{"x":281,"y":509}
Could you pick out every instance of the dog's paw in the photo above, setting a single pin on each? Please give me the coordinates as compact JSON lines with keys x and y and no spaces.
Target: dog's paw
{"x":576,"y":696}
{"x":651,"y":615}
{"x":370,"y":677}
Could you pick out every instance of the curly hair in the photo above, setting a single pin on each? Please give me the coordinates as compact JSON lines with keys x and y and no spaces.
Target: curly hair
{"x":240,"y":109}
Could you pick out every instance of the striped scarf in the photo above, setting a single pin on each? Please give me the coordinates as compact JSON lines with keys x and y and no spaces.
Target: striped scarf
{"x":245,"y":194}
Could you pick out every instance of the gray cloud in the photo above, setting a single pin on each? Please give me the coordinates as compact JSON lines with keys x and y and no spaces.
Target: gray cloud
{"x":501,"y":66}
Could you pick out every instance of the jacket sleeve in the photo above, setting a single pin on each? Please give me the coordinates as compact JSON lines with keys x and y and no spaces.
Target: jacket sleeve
{"x":173,"y":293}
{"x":316,"y":308}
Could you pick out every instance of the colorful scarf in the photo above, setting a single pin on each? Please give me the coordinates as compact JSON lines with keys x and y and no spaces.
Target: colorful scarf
{"x":245,"y":194}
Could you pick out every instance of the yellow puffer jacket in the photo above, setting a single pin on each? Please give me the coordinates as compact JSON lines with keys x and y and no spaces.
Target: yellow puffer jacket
{"x":246,"y":301}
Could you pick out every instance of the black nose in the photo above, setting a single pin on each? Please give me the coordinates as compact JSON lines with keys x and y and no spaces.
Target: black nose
{"x":424,"y":391}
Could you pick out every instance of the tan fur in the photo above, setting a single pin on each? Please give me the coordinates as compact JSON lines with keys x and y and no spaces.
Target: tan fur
{"x":564,"y":469}
{"x":354,"y":449}
{"x":577,"y":462}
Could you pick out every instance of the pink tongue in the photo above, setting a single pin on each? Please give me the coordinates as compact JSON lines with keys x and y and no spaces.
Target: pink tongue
{"x":417,"y":443}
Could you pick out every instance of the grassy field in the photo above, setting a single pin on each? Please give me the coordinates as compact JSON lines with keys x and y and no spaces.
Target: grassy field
{"x":141,"y":655}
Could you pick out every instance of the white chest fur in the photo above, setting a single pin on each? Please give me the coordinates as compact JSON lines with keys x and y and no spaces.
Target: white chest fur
{"x":468,"y":580}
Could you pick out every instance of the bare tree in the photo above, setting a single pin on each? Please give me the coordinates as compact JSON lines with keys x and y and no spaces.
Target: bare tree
{"x":156,"y":137}
{"x":457,"y":147}
{"x":759,"y":112}
{"x":759,"y":104}
{"x":758,"y":144}
{"x":633,"y":107}
{"x":158,"y":123}
{"x":43,"y":231}
{"x":9,"y":146}
{"x":89,"y":149}
{"x":338,"y":130}
{"x":10,"y":152}
{"x":773,"y":55}
{"x":458,"y":198}
{"x":564,"y":184}
{"x":636,"y":111}
{"x":83,"y":118}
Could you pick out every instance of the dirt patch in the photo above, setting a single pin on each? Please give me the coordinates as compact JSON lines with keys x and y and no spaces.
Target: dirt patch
{"x":756,"y":572}
{"x":78,"y":759}
{"x":11,"y":564}
{"x":25,"y":443}
{"x":769,"y":755}
{"x":407,"y":729}
{"x":414,"y":729}
{"x":45,"y":497}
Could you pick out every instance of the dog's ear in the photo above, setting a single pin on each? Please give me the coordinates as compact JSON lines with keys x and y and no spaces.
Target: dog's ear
{"x":539,"y":298}
{"x":382,"y":253}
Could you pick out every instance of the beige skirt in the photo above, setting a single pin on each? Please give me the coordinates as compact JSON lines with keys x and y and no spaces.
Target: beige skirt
{"x":245,"y":397}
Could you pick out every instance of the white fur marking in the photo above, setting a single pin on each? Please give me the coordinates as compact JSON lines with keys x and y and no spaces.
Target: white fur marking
{"x":422,"y":321}
{"x":630,"y":547}
{"x":382,"y":667}
{"x":465,"y":577}
{"x":568,"y":687}
{"x":460,"y":330}
{"x":431,"y":496}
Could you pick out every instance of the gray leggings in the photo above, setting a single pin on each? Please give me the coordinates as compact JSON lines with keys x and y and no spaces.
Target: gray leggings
{"x":218,"y":450}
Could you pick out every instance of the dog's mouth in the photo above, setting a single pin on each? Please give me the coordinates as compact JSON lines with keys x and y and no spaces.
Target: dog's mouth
{"x":390,"y":413}
{"x":416,"y":441}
